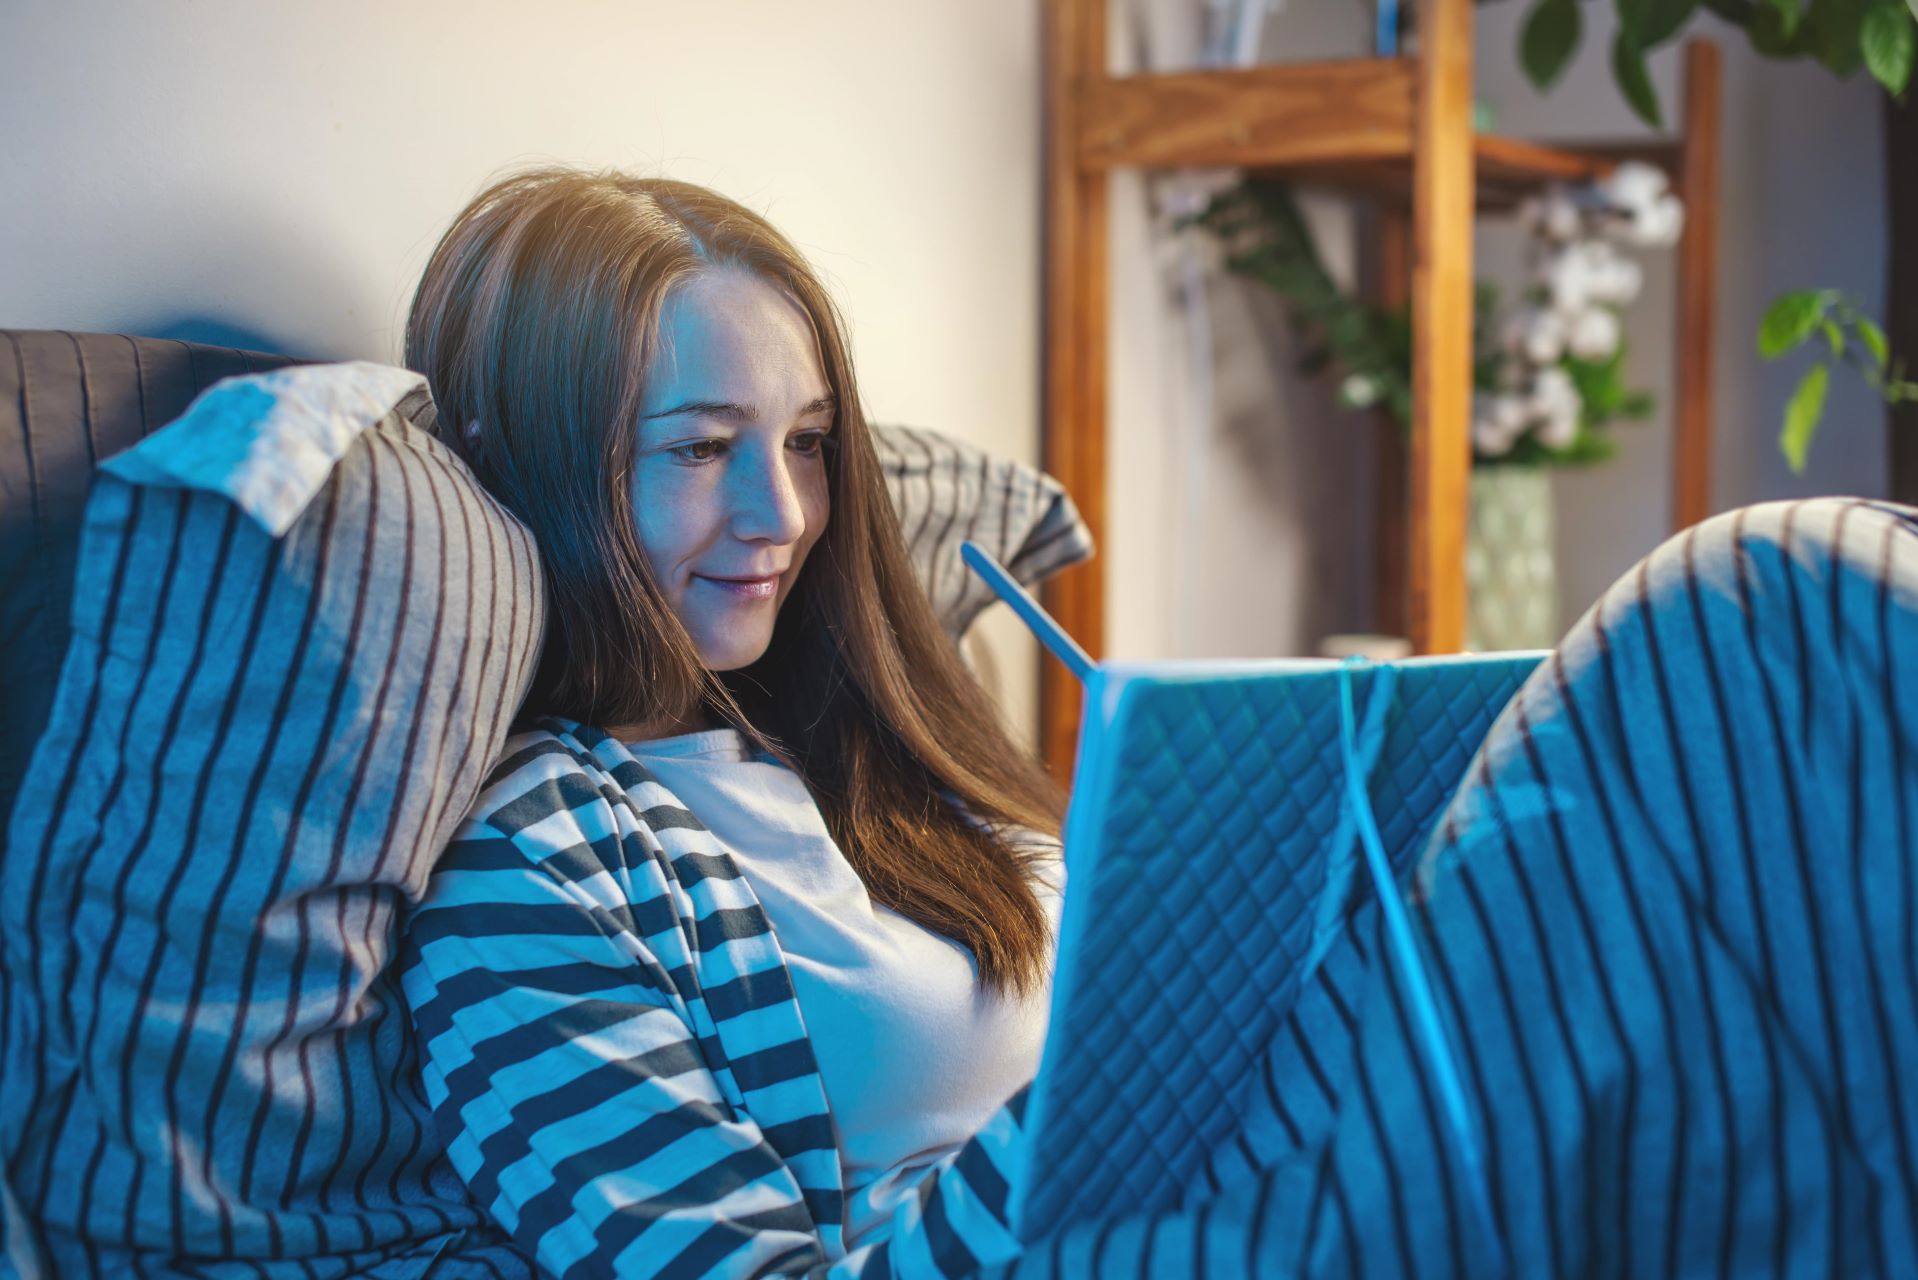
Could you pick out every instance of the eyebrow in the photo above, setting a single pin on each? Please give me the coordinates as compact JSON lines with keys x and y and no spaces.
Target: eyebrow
{"x":735,"y":412}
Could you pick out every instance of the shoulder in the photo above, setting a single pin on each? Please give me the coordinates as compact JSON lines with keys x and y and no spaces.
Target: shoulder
{"x":553,"y":844}
{"x":561,"y":787}
{"x":541,"y":772}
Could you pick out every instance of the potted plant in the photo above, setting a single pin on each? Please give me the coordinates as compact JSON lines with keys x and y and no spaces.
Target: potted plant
{"x":1548,"y":371}
{"x":1881,"y":36}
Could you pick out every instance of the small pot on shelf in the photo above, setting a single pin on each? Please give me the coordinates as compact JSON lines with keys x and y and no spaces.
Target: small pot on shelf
{"x":1511,"y":559}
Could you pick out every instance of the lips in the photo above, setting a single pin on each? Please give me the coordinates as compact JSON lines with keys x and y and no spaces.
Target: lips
{"x":746,"y":588}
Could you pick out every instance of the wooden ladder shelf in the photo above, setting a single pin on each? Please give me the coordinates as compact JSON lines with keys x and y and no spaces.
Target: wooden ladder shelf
{"x":1397,"y":131}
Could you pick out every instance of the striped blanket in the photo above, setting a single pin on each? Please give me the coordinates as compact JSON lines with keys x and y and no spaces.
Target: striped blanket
{"x":1670,"y":915}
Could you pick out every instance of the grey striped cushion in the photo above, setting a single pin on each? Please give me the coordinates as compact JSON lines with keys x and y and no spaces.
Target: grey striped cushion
{"x":947,"y":491}
{"x":257,"y":749}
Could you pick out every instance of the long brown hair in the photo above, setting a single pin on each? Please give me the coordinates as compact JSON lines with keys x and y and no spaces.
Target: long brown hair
{"x":537,"y":316}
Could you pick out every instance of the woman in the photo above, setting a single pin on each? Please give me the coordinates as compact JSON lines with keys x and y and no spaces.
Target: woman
{"x":695,"y":992}
{"x":749,"y":720}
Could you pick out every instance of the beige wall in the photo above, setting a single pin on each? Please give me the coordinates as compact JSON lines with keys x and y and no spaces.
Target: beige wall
{"x":276,"y":174}
{"x":1244,"y":533}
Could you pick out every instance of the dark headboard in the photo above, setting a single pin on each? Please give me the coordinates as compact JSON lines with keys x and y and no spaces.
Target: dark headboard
{"x":67,"y":400}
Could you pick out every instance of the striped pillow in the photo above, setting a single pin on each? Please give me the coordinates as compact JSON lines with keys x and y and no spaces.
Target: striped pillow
{"x":258,"y":747}
{"x":947,"y":491}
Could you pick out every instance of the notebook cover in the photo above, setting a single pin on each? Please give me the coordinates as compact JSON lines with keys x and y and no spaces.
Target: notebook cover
{"x":1200,"y":846}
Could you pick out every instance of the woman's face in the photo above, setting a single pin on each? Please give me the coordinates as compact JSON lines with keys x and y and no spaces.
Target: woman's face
{"x":729,"y":473}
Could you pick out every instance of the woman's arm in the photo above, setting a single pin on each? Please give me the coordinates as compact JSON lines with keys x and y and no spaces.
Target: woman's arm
{"x":578,"y":1105}
{"x":571,"y":1092}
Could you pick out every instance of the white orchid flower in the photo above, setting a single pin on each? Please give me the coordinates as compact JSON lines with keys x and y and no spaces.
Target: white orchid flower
{"x":1489,"y":437}
{"x":1559,"y":429}
{"x":1508,"y":413}
{"x":1568,"y":275}
{"x":1580,"y":279}
{"x":1662,"y":226}
{"x":1554,"y":390}
{"x":1544,"y":335}
{"x":1623,"y":279}
{"x":1634,"y":186}
{"x":1358,"y":391}
{"x":1555,"y":215}
{"x":1594,"y":334}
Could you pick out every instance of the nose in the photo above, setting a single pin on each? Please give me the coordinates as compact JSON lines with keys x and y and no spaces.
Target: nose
{"x":766,"y":502}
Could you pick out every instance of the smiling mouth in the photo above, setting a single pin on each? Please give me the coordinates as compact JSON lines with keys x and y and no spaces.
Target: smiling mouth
{"x":744,"y":588}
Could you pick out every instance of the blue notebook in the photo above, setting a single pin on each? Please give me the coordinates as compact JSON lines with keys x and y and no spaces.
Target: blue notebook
{"x":1214,"y":841}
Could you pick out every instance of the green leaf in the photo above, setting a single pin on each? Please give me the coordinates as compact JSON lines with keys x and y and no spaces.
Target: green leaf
{"x":1874,"y":337}
{"x":1628,"y":68}
{"x":1779,"y":20}
{"x":1662,"y":19}
{"x":1888,"y":39}
{"x":1550,"y":38}
{"x":1774,"y":31}
{"x":1833,"y":34}
{"x":1789,"y":321}
{"x":1637,"y":406}
{"x":1833,"y":338}
{"x":1802,"y":414}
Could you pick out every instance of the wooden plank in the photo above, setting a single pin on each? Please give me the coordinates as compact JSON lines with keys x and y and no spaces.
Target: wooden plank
{"x":1516,"y":160}
{"x":1387,"y":183}
{"x":1901,"y":284}
{"x":1252,"y":117}
{"x":1506,"y":169}
{"x":1665,"y":153}
{"x":1073,"y":433}
{"x":1697,"y":287}
{"x":1391,"y":529}
{"x":1442,"y":325}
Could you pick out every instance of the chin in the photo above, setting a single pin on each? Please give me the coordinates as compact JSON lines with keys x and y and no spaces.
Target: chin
{"x":731,"y":657}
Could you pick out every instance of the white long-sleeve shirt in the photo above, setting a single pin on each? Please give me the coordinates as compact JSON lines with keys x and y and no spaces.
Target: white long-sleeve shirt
{"x":915,"y":1056}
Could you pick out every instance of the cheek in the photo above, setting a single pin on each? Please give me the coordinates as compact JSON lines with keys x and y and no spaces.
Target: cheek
{"x":816,"y":501}
{"x":668,"y":532}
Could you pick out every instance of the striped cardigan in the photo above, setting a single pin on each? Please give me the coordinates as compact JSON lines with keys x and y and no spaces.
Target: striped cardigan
{"x":614,"y":1054}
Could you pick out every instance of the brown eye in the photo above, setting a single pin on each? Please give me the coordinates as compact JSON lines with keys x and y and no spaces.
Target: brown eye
{"x":689,"y":454}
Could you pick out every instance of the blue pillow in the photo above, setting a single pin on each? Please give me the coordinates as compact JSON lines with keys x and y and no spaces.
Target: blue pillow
{"x":300,"y":632}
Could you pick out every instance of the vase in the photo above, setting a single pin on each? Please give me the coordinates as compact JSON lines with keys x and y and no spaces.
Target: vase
{"x":1511,"y":567}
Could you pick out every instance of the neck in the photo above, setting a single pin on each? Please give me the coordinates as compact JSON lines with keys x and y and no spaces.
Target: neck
{"x":696,"y":721}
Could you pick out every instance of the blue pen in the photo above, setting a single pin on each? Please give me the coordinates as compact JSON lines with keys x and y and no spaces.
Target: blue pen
{"x":1050,"y":634}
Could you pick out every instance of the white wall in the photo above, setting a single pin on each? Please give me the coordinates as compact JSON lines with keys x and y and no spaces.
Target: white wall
{"x":1245,"y":531}
{"x":275,"y":175}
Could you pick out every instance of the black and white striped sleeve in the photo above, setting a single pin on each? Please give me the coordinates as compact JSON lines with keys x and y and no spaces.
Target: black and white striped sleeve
{"x":571,"y":1090}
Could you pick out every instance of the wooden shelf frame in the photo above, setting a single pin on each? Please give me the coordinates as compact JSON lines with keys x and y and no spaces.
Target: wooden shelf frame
{"x":1396,"y":131}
